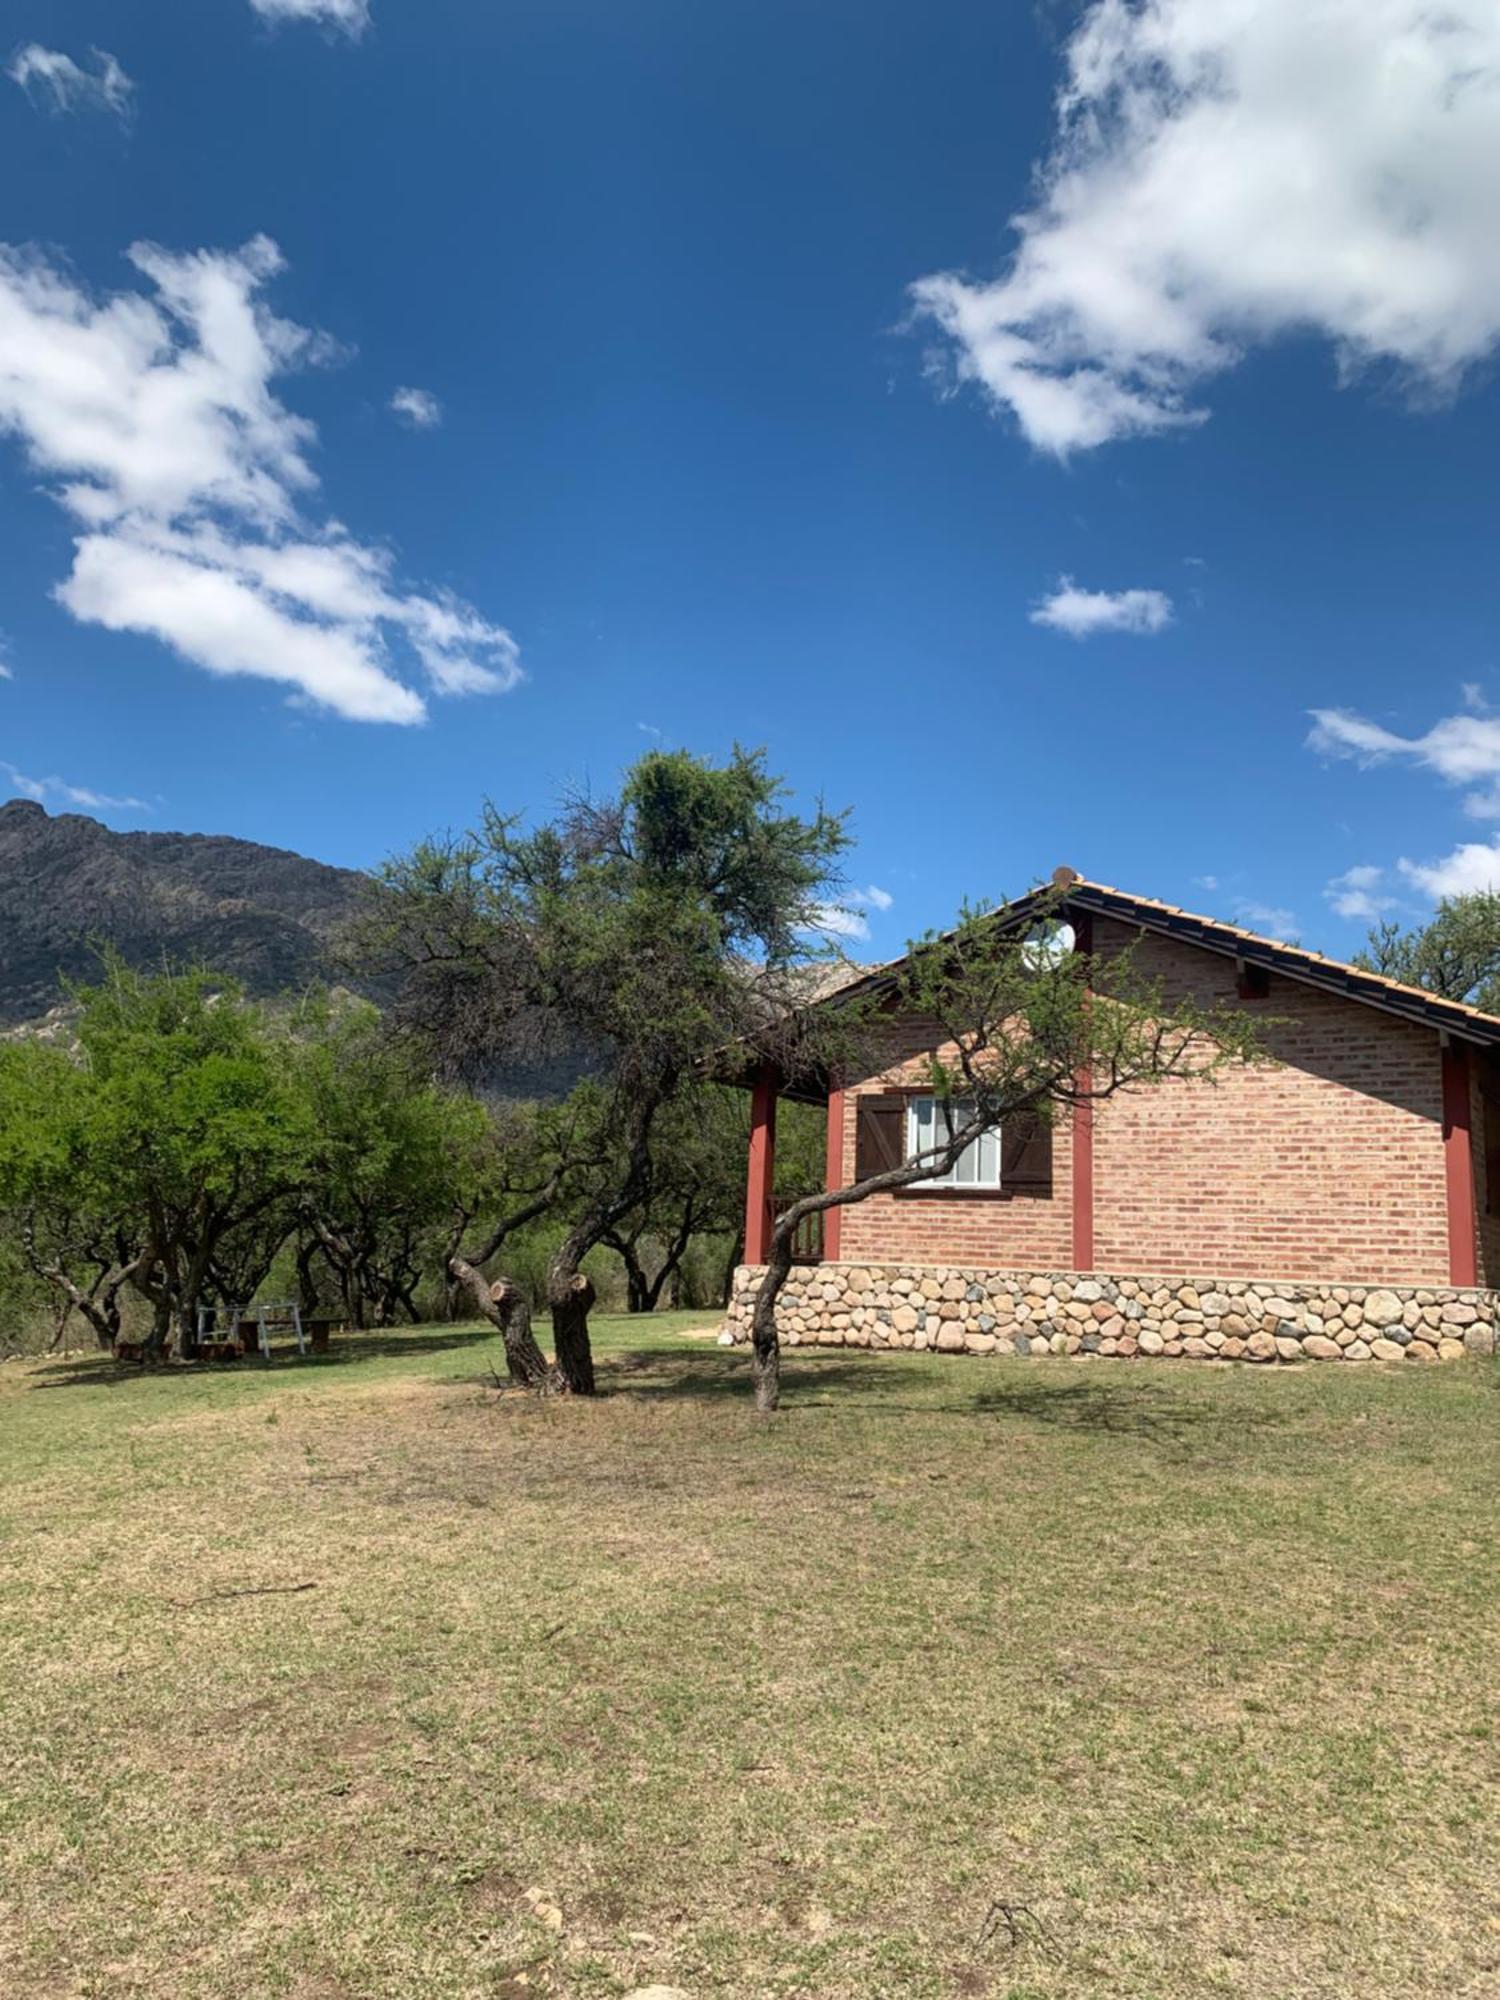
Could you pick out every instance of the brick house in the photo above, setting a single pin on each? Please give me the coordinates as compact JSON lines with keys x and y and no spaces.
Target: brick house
{"x":1347,"y":1194}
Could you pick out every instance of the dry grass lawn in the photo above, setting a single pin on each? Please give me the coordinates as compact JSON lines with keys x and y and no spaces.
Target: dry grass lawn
{"x":354,"y":1680}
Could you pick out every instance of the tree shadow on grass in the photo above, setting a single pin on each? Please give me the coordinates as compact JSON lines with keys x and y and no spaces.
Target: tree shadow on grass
{"x":345,"y":1350}
{"x":1130,"y":1407}
{"x":1125,"y":1409}
{"x":723,"y":1375}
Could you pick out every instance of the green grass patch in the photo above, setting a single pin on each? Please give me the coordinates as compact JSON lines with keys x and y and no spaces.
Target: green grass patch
{"x":356,"y":1678}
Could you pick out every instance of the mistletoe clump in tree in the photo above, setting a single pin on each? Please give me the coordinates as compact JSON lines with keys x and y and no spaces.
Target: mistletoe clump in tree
{"x":621,"y":943}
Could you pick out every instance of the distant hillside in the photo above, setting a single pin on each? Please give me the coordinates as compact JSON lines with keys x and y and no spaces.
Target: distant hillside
{"x":261,"y":913}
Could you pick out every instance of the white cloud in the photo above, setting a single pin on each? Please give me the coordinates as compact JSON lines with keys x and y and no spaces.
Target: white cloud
{"x":155,"y":425}
{"x":42,"y":789}
{"x":1205,"y":881}
{"x":1081,"y":613}
{"x":1267,"y":918}
{"x":1357,"y":893}
{"x":351,"y":17}
{"x":1474,"y":865}
{"x":417,"y":407}
{"x":846,"y":918}
{"x":838,"y":920}
{"x":1461,"y":749}
{"x":64,"y":85}
{"x":1227,"y":172}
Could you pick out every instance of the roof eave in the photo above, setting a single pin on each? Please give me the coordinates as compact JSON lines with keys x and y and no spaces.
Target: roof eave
{"x":1370,"y":990}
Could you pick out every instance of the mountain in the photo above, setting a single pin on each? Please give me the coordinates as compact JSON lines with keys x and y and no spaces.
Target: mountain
{"x":261,"y":913}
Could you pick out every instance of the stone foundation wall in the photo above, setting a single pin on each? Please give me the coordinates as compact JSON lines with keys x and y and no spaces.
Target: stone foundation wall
{"x":966,"y":1311}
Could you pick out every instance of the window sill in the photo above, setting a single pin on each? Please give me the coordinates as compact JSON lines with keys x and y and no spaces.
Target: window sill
{"x":928,"y":1192}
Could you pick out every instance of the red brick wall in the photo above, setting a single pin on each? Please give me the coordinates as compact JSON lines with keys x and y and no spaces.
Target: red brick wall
{"x":1327,"y":1165}
{"x":932,"y":1227}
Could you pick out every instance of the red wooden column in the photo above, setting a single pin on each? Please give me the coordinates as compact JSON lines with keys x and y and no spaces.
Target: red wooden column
{"x":1083,"y":1133}
{"x":1458,"y":1162}
{"x":833,"y":1175}
{"x":762,"y":1175}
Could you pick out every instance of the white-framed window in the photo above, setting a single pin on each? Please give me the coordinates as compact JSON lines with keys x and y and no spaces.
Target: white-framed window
{"x":929,"y":1123}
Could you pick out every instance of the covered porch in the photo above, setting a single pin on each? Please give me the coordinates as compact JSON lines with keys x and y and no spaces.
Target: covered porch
{"x":817,"y":1238}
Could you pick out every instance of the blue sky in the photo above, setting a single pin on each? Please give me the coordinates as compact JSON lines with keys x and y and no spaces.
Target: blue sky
{"x":699,"y":464}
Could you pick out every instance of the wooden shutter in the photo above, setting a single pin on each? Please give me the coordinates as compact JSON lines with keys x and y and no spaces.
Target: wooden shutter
{"x":880,"y":1135}
{"x":1026,"y":1154}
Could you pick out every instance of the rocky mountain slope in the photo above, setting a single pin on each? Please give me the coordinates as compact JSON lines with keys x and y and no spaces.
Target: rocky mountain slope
{"x":261,"y":913}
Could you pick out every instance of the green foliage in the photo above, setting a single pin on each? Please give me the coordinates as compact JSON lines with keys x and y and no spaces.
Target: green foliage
{"x":193,"y":1105}
{"x":714,"y":837}
{"x":630,"y":939}
{"x":190,"y":1142}
{"x":1456,"y":954}
{"x":63,"y":1212}
{"x":27,"y":1314}
{"x":389,"y":1158}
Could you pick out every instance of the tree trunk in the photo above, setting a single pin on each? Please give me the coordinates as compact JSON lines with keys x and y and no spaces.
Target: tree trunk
{"x":160,"y":1337}
{"x":506,"y":1306}
{"x":570,"y":1294}
{"x":637,"y":1285}
{"x":101,"y":1310}
{"x":765,"y":1347}
{"x":736,"y":1258}
{"x":60,"y":1326}
{"x":307,"y":1284}
{"x":187,"y":1305}
{"x":671,"y":1270}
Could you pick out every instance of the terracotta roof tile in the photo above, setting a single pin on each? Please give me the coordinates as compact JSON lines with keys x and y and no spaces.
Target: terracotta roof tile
{"x":1295,"y":961}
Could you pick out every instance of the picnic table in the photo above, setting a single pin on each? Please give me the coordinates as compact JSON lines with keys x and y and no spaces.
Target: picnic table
{"x":251,"y":1326}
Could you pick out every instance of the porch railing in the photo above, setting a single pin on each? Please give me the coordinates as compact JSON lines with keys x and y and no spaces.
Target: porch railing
{"x":807,"y":1243}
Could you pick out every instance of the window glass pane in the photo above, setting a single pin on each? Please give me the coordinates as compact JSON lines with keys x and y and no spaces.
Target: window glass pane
{"x":931,"y":1123}
{"x":919,"y":1124}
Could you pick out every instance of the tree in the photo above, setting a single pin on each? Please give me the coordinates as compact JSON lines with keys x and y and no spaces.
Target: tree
{"x":57,"y":1190}
{"x":623,"y":942}
{"x":1022,"y":1032}
{"x":142,"y":1159}
{"x":155,"y":1157}
{"x":389,"y":1158}
{"x":1456,"y":954}
{"x":198,"y":1124}
{"x":694,"y":1186}
{"x":513,"y":1174}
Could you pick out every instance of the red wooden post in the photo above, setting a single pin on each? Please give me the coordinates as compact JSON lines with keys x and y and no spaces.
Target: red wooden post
{"x":761,"y":1178}
{"x":833,"y":1176}
{"x":1083,"y":1132}
{"x":1458,"y":1162}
